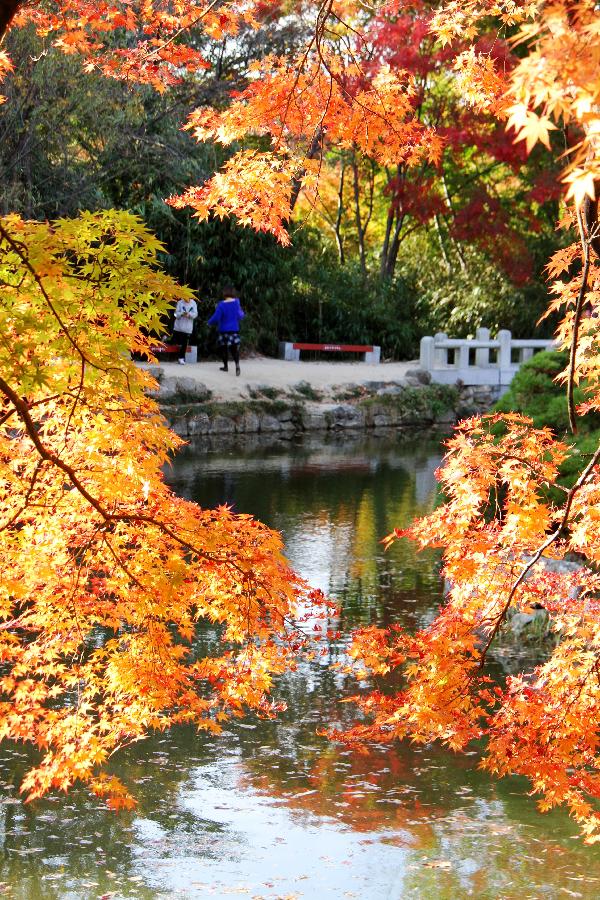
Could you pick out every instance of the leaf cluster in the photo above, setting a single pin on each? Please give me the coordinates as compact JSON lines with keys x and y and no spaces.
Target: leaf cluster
{"x":106,"y":573}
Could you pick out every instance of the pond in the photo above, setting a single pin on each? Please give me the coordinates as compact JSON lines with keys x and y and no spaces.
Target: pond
{"x":270,"y":809}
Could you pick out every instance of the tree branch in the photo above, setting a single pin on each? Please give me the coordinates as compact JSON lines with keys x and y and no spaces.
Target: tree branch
{"x":585,"y":247}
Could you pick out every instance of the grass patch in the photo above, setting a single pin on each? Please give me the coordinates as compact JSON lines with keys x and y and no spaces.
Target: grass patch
{"x":264,"y":391}
{"x":235,"y":409}
{"x":355,"y":392}
{"x":306,"y":391}
{"x":432,"y":399}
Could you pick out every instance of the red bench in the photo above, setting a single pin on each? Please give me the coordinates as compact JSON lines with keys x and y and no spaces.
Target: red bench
{"x":160,"y":349}
{"x":291,"y":351}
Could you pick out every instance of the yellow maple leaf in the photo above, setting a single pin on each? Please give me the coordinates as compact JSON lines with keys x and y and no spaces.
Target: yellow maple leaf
{"x":581,"y":185}
{"x":535,"y":128}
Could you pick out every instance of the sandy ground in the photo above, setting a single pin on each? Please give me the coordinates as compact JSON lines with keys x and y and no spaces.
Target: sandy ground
{"x":283,"y":375}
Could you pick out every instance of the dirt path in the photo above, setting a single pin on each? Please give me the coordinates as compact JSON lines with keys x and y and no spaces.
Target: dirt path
{"x":277,"y":373}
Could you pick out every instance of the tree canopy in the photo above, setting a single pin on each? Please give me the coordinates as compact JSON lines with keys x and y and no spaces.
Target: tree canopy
{"x":105,"y":572}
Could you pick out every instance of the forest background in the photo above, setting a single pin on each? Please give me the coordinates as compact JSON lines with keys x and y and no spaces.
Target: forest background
{"x":383,"y":254}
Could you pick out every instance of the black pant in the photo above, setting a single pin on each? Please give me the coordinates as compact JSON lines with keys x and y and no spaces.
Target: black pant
{"x":229,"y":340}
{"x":183,"y":339}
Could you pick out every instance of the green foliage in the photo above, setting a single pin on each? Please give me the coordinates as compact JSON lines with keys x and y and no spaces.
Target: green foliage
{"x":208,"y":255}
{"x":338,"y":303}
{"x":306,"y":391}
{"x":534,"y":392}
{"x":473,"y":292}
{"x":233,"y":409}
{"x":296,"y":293}
{"x":430,"y":401}
{"x":73,"y":141}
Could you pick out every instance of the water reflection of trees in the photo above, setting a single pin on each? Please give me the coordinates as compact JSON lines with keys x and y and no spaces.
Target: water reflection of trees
{"x":469,"y":835}
{"x":333,"y":502}
{"x":438,"y":806}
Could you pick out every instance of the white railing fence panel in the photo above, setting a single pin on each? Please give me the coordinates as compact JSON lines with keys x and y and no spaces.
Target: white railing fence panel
{"x":480,"y":360}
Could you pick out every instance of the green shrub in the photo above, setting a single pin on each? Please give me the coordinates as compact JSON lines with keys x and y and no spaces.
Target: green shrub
{"x":535,"y":393}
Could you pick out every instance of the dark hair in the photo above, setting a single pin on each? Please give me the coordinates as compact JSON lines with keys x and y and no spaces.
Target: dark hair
{"x":229,"y":291}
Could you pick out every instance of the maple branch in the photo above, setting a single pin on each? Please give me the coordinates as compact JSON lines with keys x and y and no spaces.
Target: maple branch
{"x":22,"y":409}
{"x":10,"y":412}
{"x":299,"y":69}
{"x":180,"y":31}
{"x":313,"y":151}
{"x":77,"y":400}
{"x":26,"y":499}
{"x":324,"y":12}
{"x":123,"y":566}
{"x":539,"y":553}
{"x":528,"y":465}
{"x":30,"y":426}
{"x":18,"y":248}
{"x":581,"y":683}
{"x":576,"y":323}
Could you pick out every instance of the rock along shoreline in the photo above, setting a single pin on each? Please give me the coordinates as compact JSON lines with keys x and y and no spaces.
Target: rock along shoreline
{"x":409,"y":403}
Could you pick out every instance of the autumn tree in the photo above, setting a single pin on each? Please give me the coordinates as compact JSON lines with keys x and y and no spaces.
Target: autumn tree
{"x":106,"y":574}
{"x":479,"y":193}
{"x":500,"y":532}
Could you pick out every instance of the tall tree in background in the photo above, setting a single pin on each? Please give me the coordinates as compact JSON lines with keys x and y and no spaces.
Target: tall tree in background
{"x":117,"y":144}
{"x":479,"y":193}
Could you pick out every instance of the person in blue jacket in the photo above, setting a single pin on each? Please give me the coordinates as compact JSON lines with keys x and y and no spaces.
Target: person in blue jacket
{"x":227,"y":317}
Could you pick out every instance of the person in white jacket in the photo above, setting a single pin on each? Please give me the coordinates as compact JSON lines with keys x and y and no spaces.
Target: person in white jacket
{"x":185,"y":313}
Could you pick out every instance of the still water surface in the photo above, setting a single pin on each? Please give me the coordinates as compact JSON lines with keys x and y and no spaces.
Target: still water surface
{"x":270,"y":810}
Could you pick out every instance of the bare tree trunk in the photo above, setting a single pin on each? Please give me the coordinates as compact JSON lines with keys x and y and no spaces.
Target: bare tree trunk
{"x":438,"y":229}
{"x":371,"y":197}
{"x":357,"y":215}
{"x":386,"y":241}
{"x":338,"y":219}
{"x":313,"y":150}
{"x":393,"y":229}
{"x":393,"y":248}
{"x":455,"y":243}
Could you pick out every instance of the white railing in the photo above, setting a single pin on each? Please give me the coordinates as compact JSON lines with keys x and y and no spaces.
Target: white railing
{"x":479,"y":361}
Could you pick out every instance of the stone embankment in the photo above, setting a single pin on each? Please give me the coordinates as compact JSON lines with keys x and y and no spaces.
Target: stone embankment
{"x":411,"y":402}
